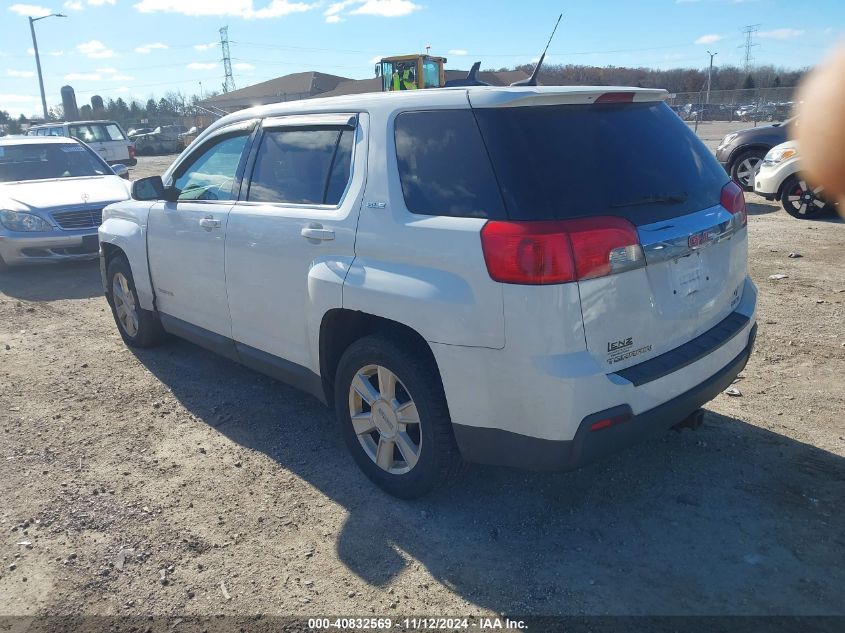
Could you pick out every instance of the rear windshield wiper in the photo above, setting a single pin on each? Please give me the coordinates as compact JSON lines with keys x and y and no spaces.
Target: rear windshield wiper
{"x":656,"y":199}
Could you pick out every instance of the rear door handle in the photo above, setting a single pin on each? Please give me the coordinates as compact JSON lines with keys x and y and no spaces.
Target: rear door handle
{"x":316,"y":231}
{"x":209,"y":223}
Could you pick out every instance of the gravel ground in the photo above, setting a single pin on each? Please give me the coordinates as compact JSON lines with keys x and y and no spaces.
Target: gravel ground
{"x":171,"y":481}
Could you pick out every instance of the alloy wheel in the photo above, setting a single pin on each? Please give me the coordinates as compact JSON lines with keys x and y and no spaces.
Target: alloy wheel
{"x":747,"y":170}
{"x":804,"y":199}
{"x":385,"y":419}
{"x":124,"y":304}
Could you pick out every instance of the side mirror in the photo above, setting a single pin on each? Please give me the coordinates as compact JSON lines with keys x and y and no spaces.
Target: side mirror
{"x":151,"y":188}
{"x":121,"y":170}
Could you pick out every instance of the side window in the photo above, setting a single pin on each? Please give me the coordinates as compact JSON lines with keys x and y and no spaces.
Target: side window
{"x":211,"y":175}
{"x":431,"y":75}
{"x":443,"y":165}
{"x":113,"y":133}
{"x":302,"y":166}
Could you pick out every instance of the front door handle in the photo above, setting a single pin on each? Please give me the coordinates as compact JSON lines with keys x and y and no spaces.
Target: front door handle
{"x":315,"y":231}
{"x":209,"y":223}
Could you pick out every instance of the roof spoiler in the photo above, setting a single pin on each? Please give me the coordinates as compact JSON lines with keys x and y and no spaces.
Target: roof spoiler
{"x":532,"y":80}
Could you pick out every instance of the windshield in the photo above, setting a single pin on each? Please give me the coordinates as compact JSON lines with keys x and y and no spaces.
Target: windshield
{"x":48,"y":160}
{"x":635,"y":160}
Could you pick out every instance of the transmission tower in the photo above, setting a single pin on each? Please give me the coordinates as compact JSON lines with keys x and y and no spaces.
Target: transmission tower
{"x":749,"y":45}
{"x":229,"y":80}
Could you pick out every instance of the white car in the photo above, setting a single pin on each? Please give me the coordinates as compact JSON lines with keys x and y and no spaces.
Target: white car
{"x":52,"y":193}
{"x":107,"y":138}
{"x":452,"y":270}
{"x":780,"y":178}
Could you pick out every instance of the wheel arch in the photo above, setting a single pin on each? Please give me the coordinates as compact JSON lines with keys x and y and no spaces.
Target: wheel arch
{"x":340,"y":327}
{"x":120,"y":235}
{"x":744,"y":149}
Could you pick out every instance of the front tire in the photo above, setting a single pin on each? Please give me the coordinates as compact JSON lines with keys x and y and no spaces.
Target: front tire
{"x":137,"y":327}
{"x":392,"y":410}
{"x":801,"y":200}
{"x":745,"y":168}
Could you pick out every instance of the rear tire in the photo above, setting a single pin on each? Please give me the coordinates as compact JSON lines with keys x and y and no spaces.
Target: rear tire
{"x":745,"y":168}
{"x":137,"y":327}
{"x":402,"y":435}
{"x":801,"y":201}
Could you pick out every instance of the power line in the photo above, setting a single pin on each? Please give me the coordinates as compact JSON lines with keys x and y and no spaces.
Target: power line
{"x":229,"y":80}
{"x":749,"y":45}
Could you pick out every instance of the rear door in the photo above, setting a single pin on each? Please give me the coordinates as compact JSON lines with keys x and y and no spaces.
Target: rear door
{"x":640,"y":162}
{"x":290,"y":239}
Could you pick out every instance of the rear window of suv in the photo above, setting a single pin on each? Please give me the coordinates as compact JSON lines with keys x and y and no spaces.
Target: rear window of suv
{"x":633,"y":160}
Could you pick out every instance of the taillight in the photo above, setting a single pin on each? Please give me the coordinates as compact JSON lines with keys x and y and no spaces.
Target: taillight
{"x":555,"y":252}
{"x":733,"y":199}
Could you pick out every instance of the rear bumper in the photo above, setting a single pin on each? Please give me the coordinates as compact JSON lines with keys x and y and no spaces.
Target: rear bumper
{"x":504,"y":448}
{"x":19,"y":248}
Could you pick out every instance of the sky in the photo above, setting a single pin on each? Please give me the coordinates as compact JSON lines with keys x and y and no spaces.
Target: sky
{"x":136,"y":49}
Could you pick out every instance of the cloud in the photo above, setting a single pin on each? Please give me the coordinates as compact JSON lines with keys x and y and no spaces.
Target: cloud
{"x":20,"y":73}
{"x":204,"y":47}
{"x":458,"y":52}
{"x":235,"y":8}
{"x":382,"y":8}
{"x":709,"y":39}
{"x":83,"y":77}
{"x":242,"y":66}
{"x":95,"y":49}
{"x":333,"y":12}
{"x":99,"y":3}
{"x":386,"y":8}
{"x":781,"y":34}
{"x":56,"y":53}
{"x":30,"y":51}
{"x":146,"y":48}
{"x":30,"y":10}
{"x":201,"y":66}
{"x":107,"y":71}
{"x":120,"y":77}
{"x":73,"y":5}
{"x":376,"y":59}
{"x":7,"y":98}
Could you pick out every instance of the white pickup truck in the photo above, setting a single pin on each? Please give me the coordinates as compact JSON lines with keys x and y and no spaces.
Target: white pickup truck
{"x":454,"y":271}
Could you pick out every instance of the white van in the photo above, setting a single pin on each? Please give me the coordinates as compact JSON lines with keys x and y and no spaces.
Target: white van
{"x":106,"y":138}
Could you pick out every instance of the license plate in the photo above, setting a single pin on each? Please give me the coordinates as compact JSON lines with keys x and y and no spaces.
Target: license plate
{"x":688,"y":275}
{"x":90,"y":243}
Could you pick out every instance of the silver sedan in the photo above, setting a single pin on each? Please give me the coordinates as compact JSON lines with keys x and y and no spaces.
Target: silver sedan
{"x":52,"y":193}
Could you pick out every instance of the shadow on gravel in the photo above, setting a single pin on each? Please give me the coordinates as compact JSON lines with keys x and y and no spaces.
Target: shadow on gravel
{"x":728,"y":519}
{"x":70,"y":280}
{"x":755,"y":208}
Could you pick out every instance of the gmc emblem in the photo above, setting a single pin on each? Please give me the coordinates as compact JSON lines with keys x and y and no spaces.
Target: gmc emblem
{"x":702,"y":238}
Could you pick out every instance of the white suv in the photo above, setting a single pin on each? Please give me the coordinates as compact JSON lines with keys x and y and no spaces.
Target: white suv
{"x":454,"y":270}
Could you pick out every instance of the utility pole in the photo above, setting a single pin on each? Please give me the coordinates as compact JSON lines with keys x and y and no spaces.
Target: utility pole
{"x":32,"y":22}
{"x":229,"y":80}
{"x":749,"y":45}
{"x":710,"y":74}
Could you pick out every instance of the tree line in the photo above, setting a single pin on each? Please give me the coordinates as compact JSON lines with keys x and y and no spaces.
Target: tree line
{"x":673,"y":80}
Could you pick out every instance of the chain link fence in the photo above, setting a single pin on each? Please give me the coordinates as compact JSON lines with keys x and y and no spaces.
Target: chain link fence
{"x":752,"y":105}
